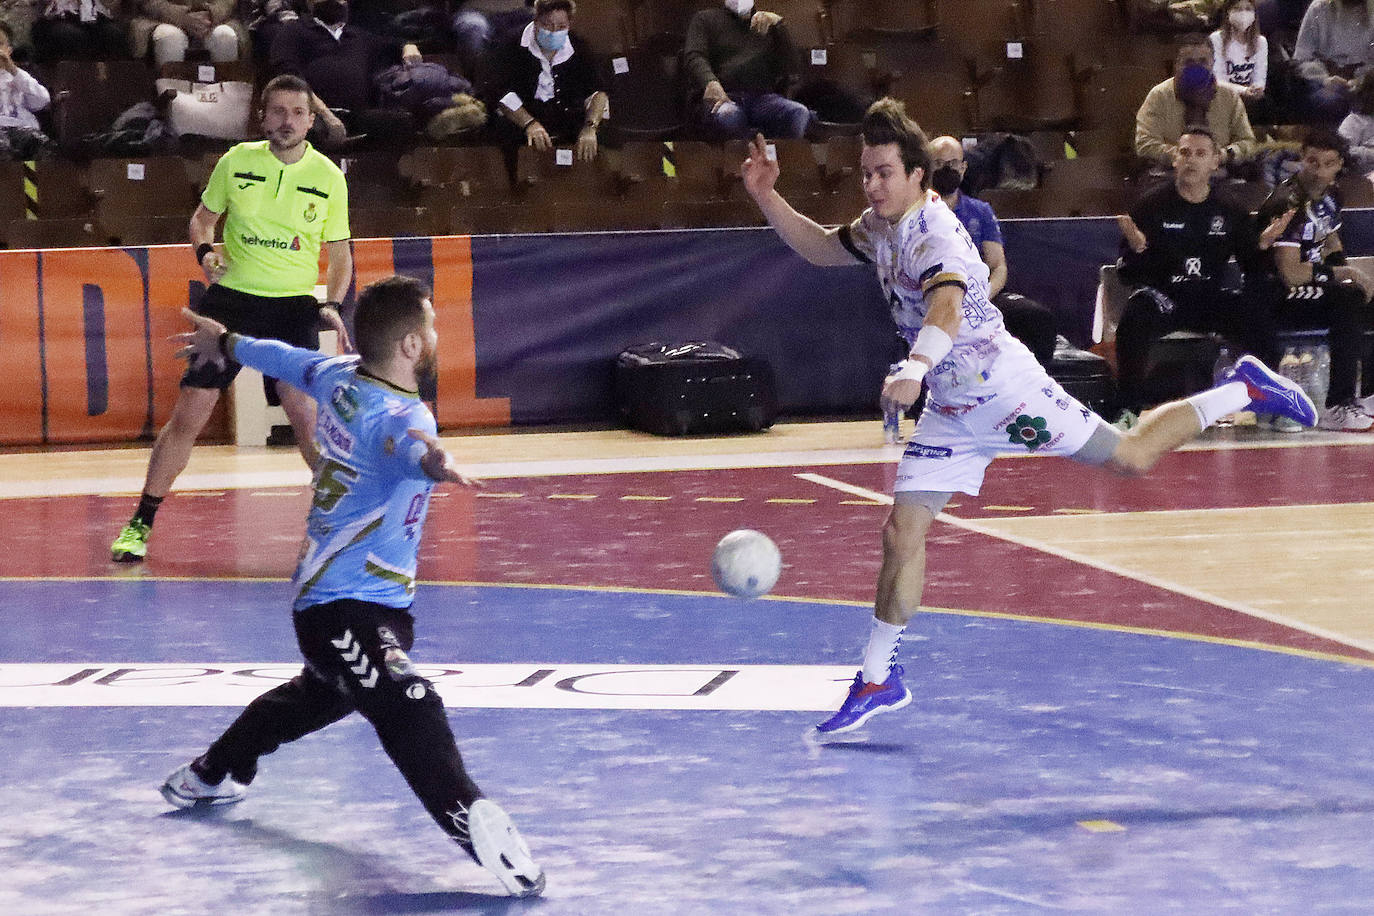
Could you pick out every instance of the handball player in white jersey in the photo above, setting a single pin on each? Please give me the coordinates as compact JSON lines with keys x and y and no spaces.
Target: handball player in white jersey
{"x":987,"y":393}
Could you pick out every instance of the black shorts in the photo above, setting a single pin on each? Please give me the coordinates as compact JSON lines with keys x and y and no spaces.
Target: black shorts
{"x":290,"y":319}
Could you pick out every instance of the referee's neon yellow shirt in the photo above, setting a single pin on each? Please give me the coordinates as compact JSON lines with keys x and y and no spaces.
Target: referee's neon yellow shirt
{"x":277,"y":217}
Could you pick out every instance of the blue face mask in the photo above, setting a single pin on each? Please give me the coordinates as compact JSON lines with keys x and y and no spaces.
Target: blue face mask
{"x":550,"y":41}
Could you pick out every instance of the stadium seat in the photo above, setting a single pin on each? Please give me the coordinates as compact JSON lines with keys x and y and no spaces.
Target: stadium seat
{"x":475,"y":174}
{"x":1020,"y":87}
{"x":879,"y":20}
{"x":87,"y":96}
{"x":60,"y":188}
{"x":70,"y":232}
{"x":231,"y":71}
{"x":142,"y":201}
{"x":1085,"y":186}
{"x":646,"y":94}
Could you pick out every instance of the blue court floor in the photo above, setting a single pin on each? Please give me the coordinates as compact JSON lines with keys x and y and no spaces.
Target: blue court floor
{"x":1042,"y":766}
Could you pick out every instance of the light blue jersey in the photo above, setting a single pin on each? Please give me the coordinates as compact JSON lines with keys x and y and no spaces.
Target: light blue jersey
{"x":371,"y":495}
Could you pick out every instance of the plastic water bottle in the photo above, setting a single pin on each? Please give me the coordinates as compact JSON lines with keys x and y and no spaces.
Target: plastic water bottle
{"x":1322,"y":376}
{"x":1225,"y":360}
{"x":1307,"y":372}
{"x":892,"y":416}
{"x":1289,"y":366}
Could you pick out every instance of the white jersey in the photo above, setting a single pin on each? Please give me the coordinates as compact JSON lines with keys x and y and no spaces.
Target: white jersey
{"x":927,"y":248}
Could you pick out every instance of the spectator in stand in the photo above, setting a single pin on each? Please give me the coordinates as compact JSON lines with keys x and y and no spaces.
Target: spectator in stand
{"x":19,"y":15}
{"x":172,"y":27}
{"x":1320,"y":290}
{"x":1027,"y":320}
{"x":1357,"y":130}
{"x":426,"y":23}
{"x":480,"y":25}
{"x":739,"y":64}
{"x":80,"y":30}
{"x":21,"y":97}
{"x":265,"y":19}
{"x":1332,"y":49}
{"x":546,"y":85}
{"x":342,"y":61}
{"x":1240,"y":56}
{"x":1193,"y":96}
{"x":1176,"y":244}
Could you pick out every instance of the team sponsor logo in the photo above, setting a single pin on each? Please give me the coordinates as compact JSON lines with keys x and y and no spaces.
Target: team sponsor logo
{"x":1192,"y":267}
{"x":257,"y":241}
{"x":335,"y":435}
{"x":1011,"y":417}
{"x":1218,"y":225}
{"x":311,"y":214}
{"x":1061,"y":403}
{"x":921,"y":222}
{"x":917,"y":450}
{"x":1173,"y":225}
{"x":1029,"y":431}
{"x":344,"y":400}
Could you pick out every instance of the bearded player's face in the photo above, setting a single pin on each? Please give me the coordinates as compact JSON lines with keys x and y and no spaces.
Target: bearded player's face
{"x":889,"y":189}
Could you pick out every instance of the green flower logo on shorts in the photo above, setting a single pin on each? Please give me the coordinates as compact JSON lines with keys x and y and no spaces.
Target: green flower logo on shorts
{"x":1028,"y":431}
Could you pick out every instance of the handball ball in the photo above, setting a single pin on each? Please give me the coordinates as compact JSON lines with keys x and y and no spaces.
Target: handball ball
{"x":746,"y":564}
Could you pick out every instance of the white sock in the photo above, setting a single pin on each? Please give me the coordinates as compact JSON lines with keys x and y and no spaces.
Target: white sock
{"x":883,"y":642}
{"x":1214,"y":403}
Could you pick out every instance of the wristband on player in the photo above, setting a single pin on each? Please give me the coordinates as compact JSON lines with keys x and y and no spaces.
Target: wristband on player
{"x":331,"y":304}
{"x":202,"y":250}
{"x":933,"y":344}
{"x":912,"y":369}
{"x":1322,"y":274}
{"x":226,"y":344}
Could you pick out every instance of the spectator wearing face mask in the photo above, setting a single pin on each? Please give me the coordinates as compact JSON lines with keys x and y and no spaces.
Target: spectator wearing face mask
{"x":1331,"y":51}
{"x":1240,"y":56}
{"x":1193,"y":96}
{"x":739,"y":64}
{"x":1027,"y":320}
{"x":342,"y":61}
{"x":546,"y":85}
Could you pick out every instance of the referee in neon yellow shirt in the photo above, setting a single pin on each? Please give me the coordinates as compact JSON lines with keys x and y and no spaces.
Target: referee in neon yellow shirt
{"x":281,"y":201}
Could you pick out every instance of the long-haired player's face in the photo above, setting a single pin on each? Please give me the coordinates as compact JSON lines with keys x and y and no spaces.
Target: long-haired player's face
{"x":889,"y":189}
{"x":286,"y":118}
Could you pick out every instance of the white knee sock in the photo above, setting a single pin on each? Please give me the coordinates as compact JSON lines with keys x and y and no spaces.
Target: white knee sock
{"x":1214,"y":403}
{"x":883,"y":642}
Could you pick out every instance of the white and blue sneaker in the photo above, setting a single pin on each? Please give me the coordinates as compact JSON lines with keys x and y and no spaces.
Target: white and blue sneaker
{"x":185,"y":789}
{"x":1271,"y":393}
{"x":865,"y":701}
{"x":498,"y":847}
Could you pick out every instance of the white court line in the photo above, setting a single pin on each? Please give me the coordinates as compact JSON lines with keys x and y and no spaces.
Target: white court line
{"x":1137,"y":575}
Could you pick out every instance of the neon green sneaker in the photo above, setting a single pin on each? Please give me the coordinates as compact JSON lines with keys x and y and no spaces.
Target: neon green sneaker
{"x":132,"y":544}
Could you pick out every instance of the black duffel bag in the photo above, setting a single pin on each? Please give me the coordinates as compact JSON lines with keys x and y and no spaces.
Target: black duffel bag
{"x":698,"y":386}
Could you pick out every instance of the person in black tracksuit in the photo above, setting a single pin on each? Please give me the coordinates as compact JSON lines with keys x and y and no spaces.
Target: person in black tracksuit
{"x":1177,"y":246}
{"x":1315,"y":288}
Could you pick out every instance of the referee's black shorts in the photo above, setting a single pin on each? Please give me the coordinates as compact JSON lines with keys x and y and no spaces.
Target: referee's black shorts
{"x":290,"y":319}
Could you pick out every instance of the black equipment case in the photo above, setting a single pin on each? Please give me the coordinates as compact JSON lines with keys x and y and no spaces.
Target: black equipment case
{"x":694,"y":387}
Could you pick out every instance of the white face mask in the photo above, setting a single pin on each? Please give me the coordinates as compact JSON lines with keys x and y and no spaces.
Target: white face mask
{"x":740,"y":8}
{"x":1241,"y":19}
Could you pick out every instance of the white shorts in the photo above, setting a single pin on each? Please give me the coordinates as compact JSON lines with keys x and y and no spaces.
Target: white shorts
{"x":1028,"y":414}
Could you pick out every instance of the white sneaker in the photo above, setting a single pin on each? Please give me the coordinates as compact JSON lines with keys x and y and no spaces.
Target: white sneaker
{"x":498,"y":848}
{"x":184,"y":789}
{"x":1346,"y":418}
{"x":1284,"y":424}
{"x":1366,"y":404}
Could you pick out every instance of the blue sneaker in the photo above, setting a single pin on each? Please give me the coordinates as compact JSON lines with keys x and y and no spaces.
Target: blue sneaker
{"x":1271,"y":393}
{"x":865,"y":701}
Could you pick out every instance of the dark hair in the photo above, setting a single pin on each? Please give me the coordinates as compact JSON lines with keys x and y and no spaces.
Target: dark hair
{"x":886,"y":122}
{"x":1201,"y":130}
{"x":552,"y":6}
{"x":1362,"y":100}
{"x":1192,"y":40}
{"x":1324,"y":138}
{"x":285,"y":83}
{"x":388,"y":310}
{"x":9,"y":32}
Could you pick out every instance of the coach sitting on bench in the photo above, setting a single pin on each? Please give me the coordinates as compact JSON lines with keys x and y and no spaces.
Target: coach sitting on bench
{"x":1176,"y":244}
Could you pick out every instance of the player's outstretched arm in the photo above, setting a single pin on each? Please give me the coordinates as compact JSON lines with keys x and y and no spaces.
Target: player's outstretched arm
{"x":211,"y":341}
{"x":438,"y":463}
{"x":807,"y":238}
{"x":202,"y":344}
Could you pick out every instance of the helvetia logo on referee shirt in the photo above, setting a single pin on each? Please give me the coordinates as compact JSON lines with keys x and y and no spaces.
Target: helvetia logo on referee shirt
{"x":279,"y":244}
